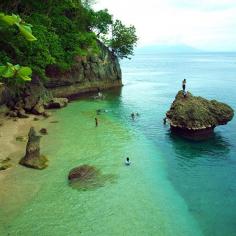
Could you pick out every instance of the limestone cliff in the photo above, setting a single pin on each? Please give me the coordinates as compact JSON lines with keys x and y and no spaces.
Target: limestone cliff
{"x":88,"y":74}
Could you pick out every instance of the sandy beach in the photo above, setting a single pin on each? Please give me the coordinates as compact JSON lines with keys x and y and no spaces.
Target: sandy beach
{"x":13,"y":138}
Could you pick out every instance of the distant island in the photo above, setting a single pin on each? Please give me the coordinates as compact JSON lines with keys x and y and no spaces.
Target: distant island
{"x":162,"y":48}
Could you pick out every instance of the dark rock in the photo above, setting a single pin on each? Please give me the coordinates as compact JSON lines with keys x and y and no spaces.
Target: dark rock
{"x":56,"y":103}
{"x":43,"y":131}
{"x":12,"y":113}
{"x":36,"y":119}
{"x":196,"y":117}
{"x":32,"y":157}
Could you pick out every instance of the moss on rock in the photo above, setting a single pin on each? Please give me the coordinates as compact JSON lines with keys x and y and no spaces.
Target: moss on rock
{"x":195,"y":114}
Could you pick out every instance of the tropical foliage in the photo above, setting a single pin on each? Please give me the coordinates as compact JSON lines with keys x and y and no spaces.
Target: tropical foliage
{"x":63,"y":28}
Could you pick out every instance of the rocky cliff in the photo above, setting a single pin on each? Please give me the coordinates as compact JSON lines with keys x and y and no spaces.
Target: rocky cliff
{"x":88,"y":74}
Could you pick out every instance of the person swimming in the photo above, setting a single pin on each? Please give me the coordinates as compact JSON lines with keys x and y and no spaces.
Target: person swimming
{"x":133,"y":115}
{"x":127,"y":161}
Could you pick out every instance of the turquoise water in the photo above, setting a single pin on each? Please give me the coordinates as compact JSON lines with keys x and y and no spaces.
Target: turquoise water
{"x":173,"y":187}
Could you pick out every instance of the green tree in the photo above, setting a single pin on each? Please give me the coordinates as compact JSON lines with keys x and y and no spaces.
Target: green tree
{"x":123,"y":40}
{"x":101,"y":22}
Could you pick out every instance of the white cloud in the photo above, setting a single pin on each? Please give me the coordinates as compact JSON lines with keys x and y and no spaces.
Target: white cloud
{"x":206,"y":24}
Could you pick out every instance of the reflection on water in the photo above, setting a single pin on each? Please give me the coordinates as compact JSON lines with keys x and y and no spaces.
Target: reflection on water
{"x":217,"y":147}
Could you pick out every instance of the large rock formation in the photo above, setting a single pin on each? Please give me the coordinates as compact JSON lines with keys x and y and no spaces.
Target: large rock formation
{"x":32,"y":157}
{"x":90,"y":73}
{"x":196,"y":117}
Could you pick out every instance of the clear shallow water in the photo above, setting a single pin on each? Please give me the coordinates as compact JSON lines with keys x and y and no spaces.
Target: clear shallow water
{"x":173,"y":187}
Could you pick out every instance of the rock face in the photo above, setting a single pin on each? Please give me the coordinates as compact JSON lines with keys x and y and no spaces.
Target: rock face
{"x":88,"y":74}
{"x":195,"y":117}
{"x":32,"y":157}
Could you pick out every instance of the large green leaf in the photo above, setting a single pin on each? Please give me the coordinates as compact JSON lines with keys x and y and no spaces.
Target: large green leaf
{"x":8,"y":72}
{"x":10,"y":20}
{"x":24,"y":71}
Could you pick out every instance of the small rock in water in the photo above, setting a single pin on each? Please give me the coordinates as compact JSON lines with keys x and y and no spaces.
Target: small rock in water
{"x":43,"y":131}
{"x":47,"y":114}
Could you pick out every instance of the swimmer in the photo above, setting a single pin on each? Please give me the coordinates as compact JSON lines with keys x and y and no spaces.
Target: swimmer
{"x":127,"y":161}
{"x":133,"y":115}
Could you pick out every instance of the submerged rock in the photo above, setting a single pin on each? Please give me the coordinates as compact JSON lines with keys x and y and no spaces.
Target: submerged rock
{"x":43,"y":131}
{"x":83,"y":172}
{"x":32,"y":157}
{"x":56,"y":103}
{"x":87,"y":177}
{"x":196,"y":117}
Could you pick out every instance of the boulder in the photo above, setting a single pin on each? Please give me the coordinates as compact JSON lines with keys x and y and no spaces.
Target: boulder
{"x":56,"y":103}
{"x":21,"y":113}
{"x":38,"y":108}
{"x":12,"y":113}
{"x":196,"y":117}
{"x":32,"y":157}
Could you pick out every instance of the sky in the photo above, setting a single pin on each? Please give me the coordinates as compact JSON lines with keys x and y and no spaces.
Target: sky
{"x":203,"y":24}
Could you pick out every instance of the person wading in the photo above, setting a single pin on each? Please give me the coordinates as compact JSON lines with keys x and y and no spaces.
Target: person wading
{"x":96,"y":121}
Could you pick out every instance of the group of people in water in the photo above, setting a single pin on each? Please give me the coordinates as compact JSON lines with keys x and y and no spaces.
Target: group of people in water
{"x":136,"y":114}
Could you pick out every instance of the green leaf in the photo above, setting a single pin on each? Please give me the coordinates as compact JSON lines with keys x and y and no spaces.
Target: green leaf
{"x":10,"y":20}
{"x":2,"y":68}
{"x":27,"y":32}
{"x":24,"y":71}
{"x":8,"y":72}
{"x":25,"y":78}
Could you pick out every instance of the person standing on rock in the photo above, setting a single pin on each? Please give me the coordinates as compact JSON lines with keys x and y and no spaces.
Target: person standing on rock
{"x":184,"y":84}
{"x":96,"y":121}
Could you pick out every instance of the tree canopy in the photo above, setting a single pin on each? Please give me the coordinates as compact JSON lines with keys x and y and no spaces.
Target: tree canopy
{"x":64,"y":29}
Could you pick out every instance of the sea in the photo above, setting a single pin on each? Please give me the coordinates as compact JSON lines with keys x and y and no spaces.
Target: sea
{"x":173,"y":186}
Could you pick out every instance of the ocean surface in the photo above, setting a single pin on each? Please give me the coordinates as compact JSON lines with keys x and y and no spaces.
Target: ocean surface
{"x":173,"y":186}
